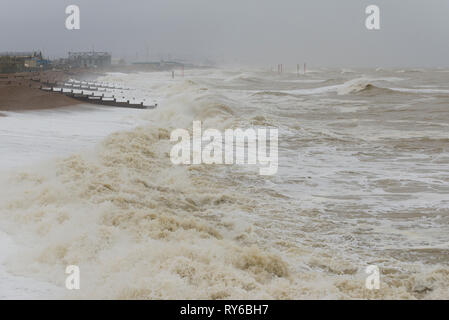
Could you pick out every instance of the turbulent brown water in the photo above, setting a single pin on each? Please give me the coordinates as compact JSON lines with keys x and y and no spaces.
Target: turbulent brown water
{"x":363,"y":180}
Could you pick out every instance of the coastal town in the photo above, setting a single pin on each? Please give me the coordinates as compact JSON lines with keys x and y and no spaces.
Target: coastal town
{"x":28,"y":80}
{"x":34,"y":61}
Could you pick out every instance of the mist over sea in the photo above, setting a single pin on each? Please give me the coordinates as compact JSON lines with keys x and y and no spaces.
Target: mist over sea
{"x":363,"y":180}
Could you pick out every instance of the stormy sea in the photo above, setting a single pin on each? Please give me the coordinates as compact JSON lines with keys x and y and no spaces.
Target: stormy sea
{"x":363,"y":180}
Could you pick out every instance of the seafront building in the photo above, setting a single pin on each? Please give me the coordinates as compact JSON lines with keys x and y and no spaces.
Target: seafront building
{"x":11,"y":62}
{"x":16,"y":62}
{"x":89,"y":59}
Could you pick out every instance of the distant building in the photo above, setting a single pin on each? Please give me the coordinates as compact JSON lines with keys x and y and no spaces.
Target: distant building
{"x":89,"y":59}
{"x":11,"y":62}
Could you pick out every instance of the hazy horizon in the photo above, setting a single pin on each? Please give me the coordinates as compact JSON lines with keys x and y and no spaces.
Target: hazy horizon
{"x":254,"y":33}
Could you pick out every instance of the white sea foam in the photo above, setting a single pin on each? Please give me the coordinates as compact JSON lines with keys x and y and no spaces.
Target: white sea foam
{"x":360,"y":182}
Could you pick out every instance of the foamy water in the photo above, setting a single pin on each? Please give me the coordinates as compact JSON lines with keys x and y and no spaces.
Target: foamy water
{"x":34,"y":137}
{"x":363,"y":179}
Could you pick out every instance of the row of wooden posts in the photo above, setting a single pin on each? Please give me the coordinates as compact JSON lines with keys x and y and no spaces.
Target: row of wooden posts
{"x":53,"y":85}
{"x":92,"y":98}
{"x":280,"y":68}
{"x":97,"y":99}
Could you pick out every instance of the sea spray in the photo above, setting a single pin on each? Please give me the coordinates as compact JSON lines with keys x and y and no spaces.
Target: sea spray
{"x":345,"y":197}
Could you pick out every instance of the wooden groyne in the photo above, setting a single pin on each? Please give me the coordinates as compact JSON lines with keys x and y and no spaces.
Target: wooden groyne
{"x":112,"y":101}
{"x":100,"y":93}
{"x":77,"y":90}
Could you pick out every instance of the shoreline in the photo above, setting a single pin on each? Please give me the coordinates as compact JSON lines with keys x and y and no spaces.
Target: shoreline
{"x":21,"y":91}
{"x":19,"y":98}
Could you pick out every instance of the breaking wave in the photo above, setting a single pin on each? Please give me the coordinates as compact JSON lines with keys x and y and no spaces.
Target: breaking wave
{"x":244,"y":77}
{"x":141,"y":228}
{"x":355,"y":86}
{"x":272,"y":93}
{"x":363,"y":85}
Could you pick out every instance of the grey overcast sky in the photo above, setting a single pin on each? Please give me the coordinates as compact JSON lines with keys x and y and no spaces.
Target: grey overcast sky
{"x":414,"y":33}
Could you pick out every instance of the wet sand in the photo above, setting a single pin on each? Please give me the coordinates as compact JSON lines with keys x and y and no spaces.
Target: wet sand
{"x":20,"y":91}
{"x":19,"y":98}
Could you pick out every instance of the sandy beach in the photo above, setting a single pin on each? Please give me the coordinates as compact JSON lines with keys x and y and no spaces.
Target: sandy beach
{"x":23,"y":91}
{"x":19,"y":98}
{"x":20,"y":91}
